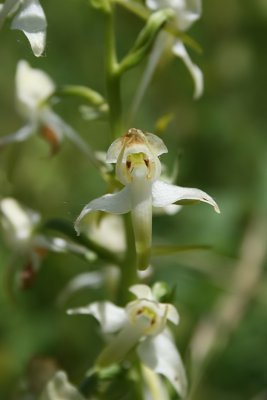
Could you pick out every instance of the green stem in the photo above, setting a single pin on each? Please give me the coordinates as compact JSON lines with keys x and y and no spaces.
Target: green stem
{"x":144,"y":13}
{"x":128,"y":265}
{"x":113,"y":79}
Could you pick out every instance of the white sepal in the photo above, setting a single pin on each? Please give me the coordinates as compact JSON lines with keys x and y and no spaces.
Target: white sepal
{"x":186,"y":11}
{"x":85,"y":280}
{"x":32,"y":21}
{"x":142,"y":291}
{"x":180,"y":51}
{"x":33,"y":86}
{"x":160,"y":354}
{"x":172,"y":314}
{"x":22,"y":134}
{"x":19,"y":222}
{"x":164,"y":194}
{"x":117,"y":203}
{"x":111,"y":317}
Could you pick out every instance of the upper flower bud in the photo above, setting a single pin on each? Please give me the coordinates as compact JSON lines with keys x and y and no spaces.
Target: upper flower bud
{"x":136,"y":155}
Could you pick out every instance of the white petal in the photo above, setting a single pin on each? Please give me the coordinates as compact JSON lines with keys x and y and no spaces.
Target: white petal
{"x":32,"y":21}
{"x":157,"y":145}
{"x":20,"y":220}
{"x":19,"y":136}
{"x":33,"y":86}
{"x":180,"y":51}
{"x":187,"y":11}
{"x":172,"y":314}
{"x":159,"y":353}
{"x":59,"y":388}
{"x":164,"y":194}
{"x":188,"y":14}
{"x":121,"y":344}
{"x":110,"y":316}
{"x":142,"y":292}
{"x":92,"y":280}
{"x":117,"y":203}
{"x":135,"y":141}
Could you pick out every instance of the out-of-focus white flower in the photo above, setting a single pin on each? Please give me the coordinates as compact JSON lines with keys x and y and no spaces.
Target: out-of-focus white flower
{"x":138,"y":168}
{"x":107,"y":231}
{"x":59,"y":388}
{"x":29,"y":18}
{"x":186,"y":13}
{"x":143,"y":323}
{"x":19,"y":228}
{"x":33,"y":88}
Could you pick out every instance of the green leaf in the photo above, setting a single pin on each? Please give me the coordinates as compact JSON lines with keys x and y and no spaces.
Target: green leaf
{"x":168,"y":250}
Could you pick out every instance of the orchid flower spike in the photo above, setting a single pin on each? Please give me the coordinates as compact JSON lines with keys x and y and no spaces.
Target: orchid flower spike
{"x":33,"y":88}
{"x":138,"y":168}
{"x":142,"y":323}
{"x":29,"y":18}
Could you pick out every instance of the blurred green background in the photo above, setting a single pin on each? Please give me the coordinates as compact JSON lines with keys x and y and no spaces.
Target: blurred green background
{"x":221,"y":144}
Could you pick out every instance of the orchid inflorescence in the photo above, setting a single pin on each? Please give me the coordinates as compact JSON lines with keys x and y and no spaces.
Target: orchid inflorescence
{"x":135,"y":330}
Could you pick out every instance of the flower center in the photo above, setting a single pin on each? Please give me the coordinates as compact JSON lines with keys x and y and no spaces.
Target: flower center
{"x":147,"y":314}
{"x":138,"y":166}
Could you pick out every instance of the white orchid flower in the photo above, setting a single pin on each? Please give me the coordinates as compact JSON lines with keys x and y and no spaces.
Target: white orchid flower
{"x":186,"y":13}
{"x":143,"y":323}
{"x":138,"y":168}
{"x":19,"y":228}
{"x":29,"y":18}
{"x":33,"y":88}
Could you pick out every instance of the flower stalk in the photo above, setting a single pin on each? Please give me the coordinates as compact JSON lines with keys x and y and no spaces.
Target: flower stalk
{"x":113,"y":78}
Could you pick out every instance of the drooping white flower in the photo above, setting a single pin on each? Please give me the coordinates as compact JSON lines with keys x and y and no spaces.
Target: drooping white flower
{"x":33,"y":88}
{"x":19,"y":228}
{"x":186,"y":13}
{"x":29,"y":18}
{"x":138,"y":169}
{"x":142,"y":323}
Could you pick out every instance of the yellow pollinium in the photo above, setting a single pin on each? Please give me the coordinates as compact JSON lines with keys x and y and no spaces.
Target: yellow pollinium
{"x":148,"y":313}
{"x":138,"y":162}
